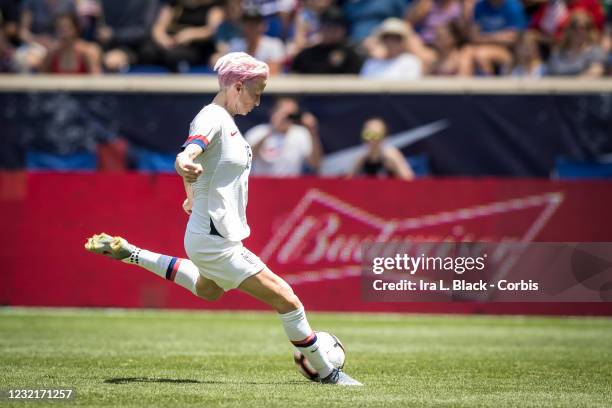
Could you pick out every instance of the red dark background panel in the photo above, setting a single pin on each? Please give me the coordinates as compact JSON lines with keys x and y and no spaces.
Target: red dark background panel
{"x":305,"y":229}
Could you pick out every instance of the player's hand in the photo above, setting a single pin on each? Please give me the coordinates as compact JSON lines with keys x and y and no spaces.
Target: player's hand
{"x":187,"y":169}
{"x":187,"y":205}
{"x":191,"y":171}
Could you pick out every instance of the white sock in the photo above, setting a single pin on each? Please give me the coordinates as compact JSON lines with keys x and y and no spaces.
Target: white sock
{"x":304,"y":339}
{"x":181,"y":271}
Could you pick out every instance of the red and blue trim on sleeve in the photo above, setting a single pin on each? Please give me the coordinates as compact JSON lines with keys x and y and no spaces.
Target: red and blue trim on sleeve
{"x":199,"y":140}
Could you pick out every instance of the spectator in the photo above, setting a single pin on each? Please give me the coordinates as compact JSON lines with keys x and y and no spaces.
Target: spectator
{"x":578,"y":52}
{"x":125,"y":29}
{"x":9,"y":20}
{"x":496,"y":27}
{"x":606,"y":42}
{"x":288,"y":144}
{"x":38,"y":17}
{"x":427,"y":15}
{"x":332,"y":55}
{"x":36,"y":31}
{"x":397,"y":63}
{"x":365,"y":15}
{"x":380,"y":159}
{"x":6,"y":54}
{"x":527,"y":60}
{"x":454,"y":57}
{"x":89,"y":13}
{"x":230,"y":27}
{"x":70,"y":54}
{"x":552,"y":17}
{"x":183,"y":33}
{"x":9,"y":17}
{"x":268,"y":49}
{"x":307,"y":25}
{"x":277,"y":13}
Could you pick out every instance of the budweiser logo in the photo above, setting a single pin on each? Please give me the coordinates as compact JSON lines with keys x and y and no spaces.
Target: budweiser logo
{"x":323,"y":235}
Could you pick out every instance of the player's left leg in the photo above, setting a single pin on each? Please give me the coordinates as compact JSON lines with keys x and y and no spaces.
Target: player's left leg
{"x":181,"y":271}
{"x":275,"y":292}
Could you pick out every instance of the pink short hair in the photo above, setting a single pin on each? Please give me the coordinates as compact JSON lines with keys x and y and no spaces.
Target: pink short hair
{"x":239,"y":67}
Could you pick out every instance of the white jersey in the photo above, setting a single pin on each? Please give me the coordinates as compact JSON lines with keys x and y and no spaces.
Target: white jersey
{"x":220,"y":193}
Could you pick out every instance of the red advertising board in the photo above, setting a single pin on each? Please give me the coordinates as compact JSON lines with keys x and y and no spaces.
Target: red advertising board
{"x":308,"y":230}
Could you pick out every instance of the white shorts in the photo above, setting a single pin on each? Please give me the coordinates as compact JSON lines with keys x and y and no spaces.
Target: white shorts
{"x":225,"y":262}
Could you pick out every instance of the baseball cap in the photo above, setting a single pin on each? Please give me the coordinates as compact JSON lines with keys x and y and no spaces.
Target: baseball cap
{"x":394,"y":26}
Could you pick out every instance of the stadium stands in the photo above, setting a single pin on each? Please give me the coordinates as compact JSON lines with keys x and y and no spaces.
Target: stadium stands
{"x":573,"y":37}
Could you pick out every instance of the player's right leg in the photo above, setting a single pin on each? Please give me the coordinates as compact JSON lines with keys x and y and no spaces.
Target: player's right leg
{"x":275,"y":292}
{"x":181,"y":271}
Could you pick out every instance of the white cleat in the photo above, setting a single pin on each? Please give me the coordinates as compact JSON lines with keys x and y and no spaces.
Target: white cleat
{"x":113,"y":247}
{"x":339,"y":377}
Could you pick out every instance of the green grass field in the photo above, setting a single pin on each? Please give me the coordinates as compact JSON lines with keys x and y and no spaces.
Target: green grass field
{"x":157,"y":358}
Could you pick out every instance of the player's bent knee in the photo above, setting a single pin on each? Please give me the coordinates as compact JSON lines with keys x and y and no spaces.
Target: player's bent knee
{"x":211,"y":295}
{"x":208,"y":291}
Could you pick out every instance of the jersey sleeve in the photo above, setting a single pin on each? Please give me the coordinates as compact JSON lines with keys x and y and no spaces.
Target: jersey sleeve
{"x":204,"y":128}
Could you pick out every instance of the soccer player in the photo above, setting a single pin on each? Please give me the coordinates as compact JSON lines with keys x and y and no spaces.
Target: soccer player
{"x":215,"y":164}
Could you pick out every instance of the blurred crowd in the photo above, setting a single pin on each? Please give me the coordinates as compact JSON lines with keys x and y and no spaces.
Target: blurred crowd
{"x":289,"y":145}
{"x":384,"y":39}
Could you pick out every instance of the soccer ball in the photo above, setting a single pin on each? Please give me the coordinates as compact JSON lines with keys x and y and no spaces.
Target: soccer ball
{"x":332,"y":347}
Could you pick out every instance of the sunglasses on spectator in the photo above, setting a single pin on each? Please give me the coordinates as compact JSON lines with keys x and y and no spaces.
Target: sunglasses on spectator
{"x":370,"y":135}
{"x":395,"y":37}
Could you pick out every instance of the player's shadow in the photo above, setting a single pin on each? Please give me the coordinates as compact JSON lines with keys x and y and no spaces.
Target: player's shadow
{"x":128,"y":380}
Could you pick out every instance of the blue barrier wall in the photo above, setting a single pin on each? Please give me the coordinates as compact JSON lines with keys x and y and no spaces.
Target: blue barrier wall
{"x":460,"y":134}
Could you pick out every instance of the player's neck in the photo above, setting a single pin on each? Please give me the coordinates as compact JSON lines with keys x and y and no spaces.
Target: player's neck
{"x":221,"y":100}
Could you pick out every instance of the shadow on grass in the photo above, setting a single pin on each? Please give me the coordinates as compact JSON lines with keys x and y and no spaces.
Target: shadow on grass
{"x":128,"y":380}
